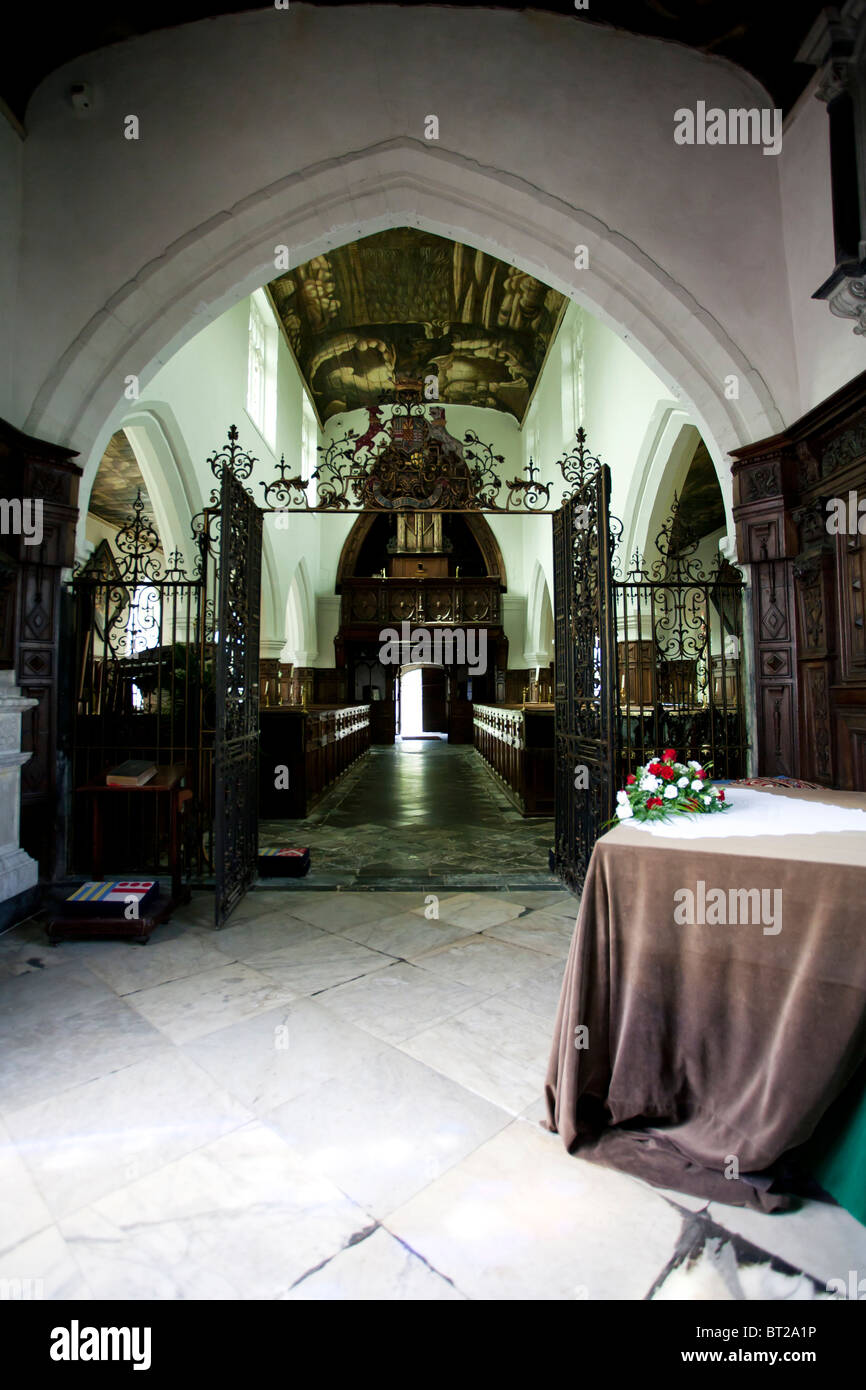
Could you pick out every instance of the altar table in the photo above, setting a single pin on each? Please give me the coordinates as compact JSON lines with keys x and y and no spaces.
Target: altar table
{"x":695,"y":1056}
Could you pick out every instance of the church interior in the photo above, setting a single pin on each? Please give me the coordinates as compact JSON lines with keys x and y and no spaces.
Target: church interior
{"x":421,"y":502}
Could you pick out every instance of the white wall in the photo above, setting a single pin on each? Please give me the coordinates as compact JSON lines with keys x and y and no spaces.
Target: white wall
{"x":683,"y":240}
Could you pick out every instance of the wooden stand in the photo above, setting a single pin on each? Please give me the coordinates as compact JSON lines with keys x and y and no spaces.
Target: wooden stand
{"x":167,"y":782}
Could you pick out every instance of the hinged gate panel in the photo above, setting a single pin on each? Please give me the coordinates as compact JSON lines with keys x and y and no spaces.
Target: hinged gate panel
{"x":236,"y":747}
{"x":586,"y":670}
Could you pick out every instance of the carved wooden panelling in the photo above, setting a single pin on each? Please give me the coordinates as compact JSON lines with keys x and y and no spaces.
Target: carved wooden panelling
{"x":814,"y":602}
{"x":37,"y":738}
{"x":776,"y":663}
{"x":772,"y":598}
{"x":815,"y":744}
{"x":763,"y":539}
{"x":852,"y":570}
{"x":809,"y":611}
{"x":777,"y":730}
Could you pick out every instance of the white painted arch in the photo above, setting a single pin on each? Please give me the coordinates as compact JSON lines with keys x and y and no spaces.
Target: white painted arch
{"x":400,"y":182}
{"x":301,"y":644}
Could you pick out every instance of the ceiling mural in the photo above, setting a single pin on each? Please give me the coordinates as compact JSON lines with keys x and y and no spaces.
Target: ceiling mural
{"x":117,"y":483}
{"x":403,"y":305}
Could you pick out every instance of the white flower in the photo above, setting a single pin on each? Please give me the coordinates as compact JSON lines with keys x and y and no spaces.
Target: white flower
{"x":622,"y":797}
{"x":693,"y":765}
{"x":624,"y":810}
{"x":697,"y":785}
{"x":683,"y":782}
{"x":649,"y":783}
{"x":705,"y":800}
{"x":671,"y":792}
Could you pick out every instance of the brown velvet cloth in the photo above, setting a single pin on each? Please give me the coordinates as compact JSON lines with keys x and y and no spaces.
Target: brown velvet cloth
{"x":708,"y":1041}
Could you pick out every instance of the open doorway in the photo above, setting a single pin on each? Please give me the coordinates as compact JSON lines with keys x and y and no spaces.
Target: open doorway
{"x":422,"y":707}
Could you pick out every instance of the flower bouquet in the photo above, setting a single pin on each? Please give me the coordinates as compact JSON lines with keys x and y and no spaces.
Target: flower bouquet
{"x":663,"y":787}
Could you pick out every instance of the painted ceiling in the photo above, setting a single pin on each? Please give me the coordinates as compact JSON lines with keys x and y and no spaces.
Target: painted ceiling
{"x":404,"y":305}
{"x":117,"y":482}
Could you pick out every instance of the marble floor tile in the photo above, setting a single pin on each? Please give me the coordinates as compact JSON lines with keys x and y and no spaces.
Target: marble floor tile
{"x":128,"y":968}
{"x":406,"y":935}
{"x":398,"y":900}
{"x":334,"y":911}
{"x":520,"y":1218}
{"x":385,"y":1130}
{"x":43,"y":1055}
{"x":237,"y":1219}
{"x":538,"y":931}
{"x":313,"y":966}
{"x":268,"y":1060}
{"x":539,"y":994}
{"x":260,"y":903}
{"x":477,"y":911}
{"x":22,"y":1209}
{"x":554,"y":900}
{"x":45,"y":1261}
{"x":494,"y":1049}
{"x":483,"y":963}
{"x":189,"y":1008}
{"x":398,"y":1001}
{"x":824,"y":1240}
{"x":377,"y":1269}
{"x":62,"y":993}
{"x":25,"y":949}
{"x":273,"y":931}
{"x":95,"y":1138}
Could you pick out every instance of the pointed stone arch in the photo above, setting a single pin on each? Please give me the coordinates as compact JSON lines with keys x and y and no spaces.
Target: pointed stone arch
{"x":400,"y":182}
{"x":539,"y":620}
{"x":301,"y":645}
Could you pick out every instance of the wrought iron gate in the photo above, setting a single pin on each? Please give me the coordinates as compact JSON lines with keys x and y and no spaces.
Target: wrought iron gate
{"x":679,"y":626}
{"x":236,"y":743}
{"x":586,"y":664}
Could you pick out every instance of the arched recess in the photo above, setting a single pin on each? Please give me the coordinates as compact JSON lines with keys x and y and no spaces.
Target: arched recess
{"x":477,"y":524}
{"x":538,"y":648}
{"x":399,"y":182}
{"x":167,"y":477}
{"x":301,"y":646}
{"x":662,"y":473}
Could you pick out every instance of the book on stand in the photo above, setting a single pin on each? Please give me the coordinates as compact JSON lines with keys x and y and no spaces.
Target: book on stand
{"x":133,"y":773}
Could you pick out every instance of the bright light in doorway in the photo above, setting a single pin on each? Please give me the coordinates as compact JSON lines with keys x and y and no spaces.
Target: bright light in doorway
{"x":411,"y":709}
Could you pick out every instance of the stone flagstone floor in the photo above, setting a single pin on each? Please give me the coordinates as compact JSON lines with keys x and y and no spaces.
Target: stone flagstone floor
{"x":420,"y":813}
{"x":337,"y":1098}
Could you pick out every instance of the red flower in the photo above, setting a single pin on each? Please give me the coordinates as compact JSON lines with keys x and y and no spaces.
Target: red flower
{"x":670,"y":755}
{"x":666,"y":773}
{"x":653,"y":801}
{"x":699,"y":772}
{"x":721,"y":796}
{"x":654,"y":768}
{"x":630,"y":780}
